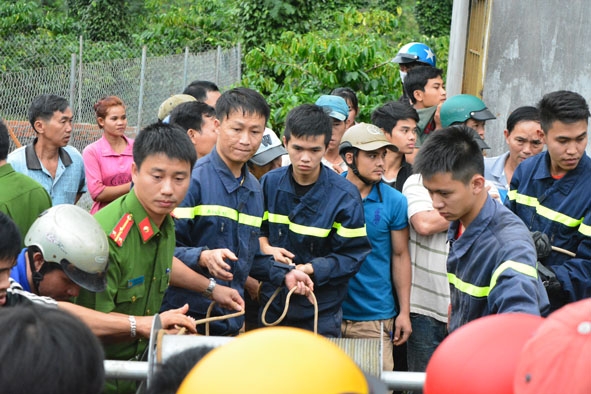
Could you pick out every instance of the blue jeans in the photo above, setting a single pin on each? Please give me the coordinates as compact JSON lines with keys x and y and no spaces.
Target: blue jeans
{"x":427,"y":334}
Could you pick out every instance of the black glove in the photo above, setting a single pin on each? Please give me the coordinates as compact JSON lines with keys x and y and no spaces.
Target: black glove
{"x":553,"y":286}
{"x":542,"y":242}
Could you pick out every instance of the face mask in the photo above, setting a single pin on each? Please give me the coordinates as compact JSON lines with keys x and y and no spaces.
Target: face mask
{"x":402,"y":76}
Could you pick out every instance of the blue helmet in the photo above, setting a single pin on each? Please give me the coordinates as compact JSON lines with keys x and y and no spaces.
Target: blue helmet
{"x":415,"y":52}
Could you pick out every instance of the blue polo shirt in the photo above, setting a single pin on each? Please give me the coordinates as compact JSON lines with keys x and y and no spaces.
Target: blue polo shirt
{"x":69,"y":177}
{"x":370,"y":295}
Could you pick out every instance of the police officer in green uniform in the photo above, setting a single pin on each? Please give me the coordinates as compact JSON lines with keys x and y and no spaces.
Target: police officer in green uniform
{"x":142,"y":241}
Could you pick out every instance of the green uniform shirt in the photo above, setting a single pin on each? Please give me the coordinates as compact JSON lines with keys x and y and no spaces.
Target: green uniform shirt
{"x":140,"y":260}
{"x":21,"y":198}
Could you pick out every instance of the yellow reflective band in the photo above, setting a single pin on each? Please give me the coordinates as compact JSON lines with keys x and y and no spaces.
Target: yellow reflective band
{"x":512,"y":194}
{"x":315,"y":231}
{"x":350,"y":232}
{"x":183,"y":213}
{"x":297,"y":228}
{"x":543,"y":211}
{"x":585,"y":230}
{"x":483,"y":291}
{"x":519,"y":267}
{"x":217,"y":210}
{"x":468,"y":288}
{"x":250,"y":220}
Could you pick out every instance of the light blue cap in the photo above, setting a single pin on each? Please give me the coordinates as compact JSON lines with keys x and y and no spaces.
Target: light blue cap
{"x":337,"y":106}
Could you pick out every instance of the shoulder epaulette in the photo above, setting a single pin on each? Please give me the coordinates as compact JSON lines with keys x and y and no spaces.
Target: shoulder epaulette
{"x":122,"y":228}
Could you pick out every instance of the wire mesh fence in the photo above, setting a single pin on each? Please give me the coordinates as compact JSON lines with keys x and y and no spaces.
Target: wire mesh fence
{"x":143,"y":83}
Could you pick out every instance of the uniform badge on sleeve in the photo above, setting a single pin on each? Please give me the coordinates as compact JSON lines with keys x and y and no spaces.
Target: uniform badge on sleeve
{"x":122,"y":228}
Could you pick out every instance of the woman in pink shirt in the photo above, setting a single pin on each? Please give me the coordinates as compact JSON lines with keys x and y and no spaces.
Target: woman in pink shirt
{"x":107,"y":162}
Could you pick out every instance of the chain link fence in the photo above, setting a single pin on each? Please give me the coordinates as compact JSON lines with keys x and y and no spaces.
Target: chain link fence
{"x":142,"y":82}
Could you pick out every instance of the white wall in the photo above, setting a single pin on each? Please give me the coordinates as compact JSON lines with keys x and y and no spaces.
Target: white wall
{"x":535,"y":47}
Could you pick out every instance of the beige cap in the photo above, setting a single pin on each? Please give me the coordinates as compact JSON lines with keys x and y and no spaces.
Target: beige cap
{"x":366,"y":137}
{"x":170,"y":103}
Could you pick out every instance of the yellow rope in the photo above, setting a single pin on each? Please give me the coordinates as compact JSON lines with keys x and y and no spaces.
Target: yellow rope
{"x":209,"y":319}
{"x":285,"y":309}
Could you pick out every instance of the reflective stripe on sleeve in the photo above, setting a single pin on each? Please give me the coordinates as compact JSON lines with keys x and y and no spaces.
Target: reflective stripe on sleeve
{"x":543,"y":211}
{"x":217,"y":210}
{"x":484,"y":291}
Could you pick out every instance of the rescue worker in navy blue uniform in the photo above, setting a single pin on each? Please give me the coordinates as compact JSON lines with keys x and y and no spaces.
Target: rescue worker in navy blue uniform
{"x":218,"y":222}
{"x":550,"y":193}
{"x":314,"y":219}
{"x":491,"y":266}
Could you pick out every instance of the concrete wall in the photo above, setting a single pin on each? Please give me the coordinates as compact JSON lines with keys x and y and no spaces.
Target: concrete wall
{"x":535,"y":47}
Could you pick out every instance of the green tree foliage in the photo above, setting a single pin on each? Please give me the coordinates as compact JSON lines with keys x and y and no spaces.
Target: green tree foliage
{"x":434,"y":16}
{"x":199,"y":25}
{"x":104,"y":20}
{"x":264,"y":21}
{"x":356,"y":53}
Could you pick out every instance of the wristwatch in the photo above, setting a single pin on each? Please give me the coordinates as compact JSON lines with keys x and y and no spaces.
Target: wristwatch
{"x":209,"y":291}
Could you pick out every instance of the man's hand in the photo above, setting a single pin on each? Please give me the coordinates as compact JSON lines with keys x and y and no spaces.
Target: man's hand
{"x":302,"y":282}
{"x":281,"y":255}
{"x":306,"y":268}
{"x":227,"y":298}
{"x":542,"y":244}
{"x":215,"y":261}
{"x":175,"y":319}
{"x":402,"y":329}
{"x":437,"y":117}
{"x":252,"y":287}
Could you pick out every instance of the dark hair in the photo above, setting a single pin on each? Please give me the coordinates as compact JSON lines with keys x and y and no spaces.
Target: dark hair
{"x":44,"y":106}
{"x":10,"y":238}
{"x":349,"y":95}
{"x":4,"y":141}
{"x":387,"y":116}
{"x":308,"y":120}
{"x":190,"y":115}
{"x":102,"y":106}
{"x":199,"y":89}
{"x":451,"y":150}
{"x":522,"y":114}
{"x":172,"y":373}
{"x":564,"y":106}
{"x":47,"y":350}
{"x":246,"y":100}
{"x":168,"y":139}
{"x":417,"y":78}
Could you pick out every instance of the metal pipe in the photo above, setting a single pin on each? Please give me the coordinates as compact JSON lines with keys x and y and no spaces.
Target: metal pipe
{"x":457,"y":47}
{"x":141,"y":95}
{"x":129,"y":370}
{"x":186,"y":68}
{"x":138,"y":370}
{"x":396,"y":380}
{"x":72,"y":79}
{"x":80,"y":80}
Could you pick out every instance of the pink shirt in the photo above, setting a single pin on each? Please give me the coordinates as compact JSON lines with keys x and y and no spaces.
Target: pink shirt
{"x":104,"y":168}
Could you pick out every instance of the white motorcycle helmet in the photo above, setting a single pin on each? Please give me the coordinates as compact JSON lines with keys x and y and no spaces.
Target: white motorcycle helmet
{"x":70,"y":237}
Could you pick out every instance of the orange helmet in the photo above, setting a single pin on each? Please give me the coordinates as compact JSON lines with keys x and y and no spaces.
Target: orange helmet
{"x":480,"y":357}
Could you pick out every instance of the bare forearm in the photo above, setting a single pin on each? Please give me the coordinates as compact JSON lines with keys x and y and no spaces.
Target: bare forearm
{"x":184,"y":277}
{"x":429,"y":223}
{"x":109,"y":327}
{"x":401,"y":276}
{"x":111,"y":193}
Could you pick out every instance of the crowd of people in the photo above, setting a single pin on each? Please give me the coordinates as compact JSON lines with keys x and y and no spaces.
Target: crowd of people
{"x":399,"y":229}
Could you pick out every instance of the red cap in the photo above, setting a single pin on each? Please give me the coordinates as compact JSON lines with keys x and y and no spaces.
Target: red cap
{"x":481,"y":356}
{"x":557,"y":359}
